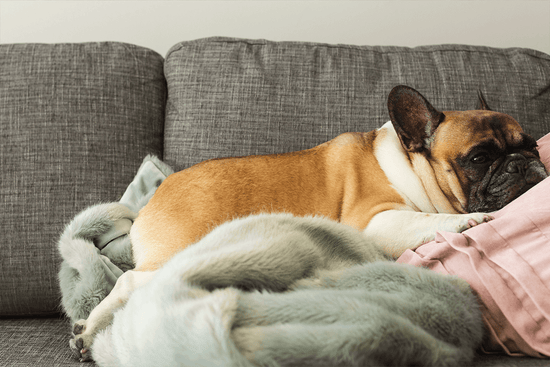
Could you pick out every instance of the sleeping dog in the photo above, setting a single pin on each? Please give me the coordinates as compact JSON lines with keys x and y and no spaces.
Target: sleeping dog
{"x":423,"y":171}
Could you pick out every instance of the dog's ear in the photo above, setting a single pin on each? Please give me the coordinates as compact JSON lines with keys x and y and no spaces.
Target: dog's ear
{"x":482,"y":104}
{"x":413,"y":117}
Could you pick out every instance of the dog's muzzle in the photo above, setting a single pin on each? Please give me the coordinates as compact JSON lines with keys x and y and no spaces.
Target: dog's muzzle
{"x":532,"y":171}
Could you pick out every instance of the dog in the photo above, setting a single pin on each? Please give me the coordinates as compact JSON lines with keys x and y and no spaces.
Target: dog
{"x":423,"y":171}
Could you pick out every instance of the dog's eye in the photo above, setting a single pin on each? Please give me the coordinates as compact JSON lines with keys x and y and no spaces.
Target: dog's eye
{"x":480,"y":158}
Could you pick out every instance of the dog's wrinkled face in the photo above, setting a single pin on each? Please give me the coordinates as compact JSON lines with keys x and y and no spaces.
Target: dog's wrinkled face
{"x":481,"y":159}
{"x":496,"y":162}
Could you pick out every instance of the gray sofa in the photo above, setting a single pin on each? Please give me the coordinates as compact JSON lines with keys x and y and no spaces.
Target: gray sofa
{"x":76,"y":121}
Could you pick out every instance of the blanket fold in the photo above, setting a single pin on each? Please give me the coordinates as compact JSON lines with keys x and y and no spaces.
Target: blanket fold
{"x":95,"y":246}
{"x":505,"y":263}
{"x":430,"y":320}
{"x":323,"y":312}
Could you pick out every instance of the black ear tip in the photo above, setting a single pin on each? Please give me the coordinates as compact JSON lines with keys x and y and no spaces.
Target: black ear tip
{"x":413,"y":117}
{"x":482,"y":103}
{"x":398,"y":92}
{"x":399,"y":89}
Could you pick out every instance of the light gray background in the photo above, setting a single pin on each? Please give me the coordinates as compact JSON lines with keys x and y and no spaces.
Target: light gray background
{"x":160,"y":24}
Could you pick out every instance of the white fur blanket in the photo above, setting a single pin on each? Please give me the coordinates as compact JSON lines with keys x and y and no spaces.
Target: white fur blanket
{"x":380,"y":314}
{"x":273,"y":290}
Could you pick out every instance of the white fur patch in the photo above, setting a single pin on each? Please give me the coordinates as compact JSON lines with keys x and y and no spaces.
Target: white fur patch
{"x":393,"y":160}
{"x":398,"y":230}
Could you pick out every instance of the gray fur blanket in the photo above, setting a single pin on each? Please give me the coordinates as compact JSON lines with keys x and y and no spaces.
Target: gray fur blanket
{"x":95,"y":247}
{"x":270,"y":290}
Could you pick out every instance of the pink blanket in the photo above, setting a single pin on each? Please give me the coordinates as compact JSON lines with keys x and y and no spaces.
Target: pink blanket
{"x":507,"y":263}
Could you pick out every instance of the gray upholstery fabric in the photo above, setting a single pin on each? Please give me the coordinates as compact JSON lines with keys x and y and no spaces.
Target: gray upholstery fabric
{"x":76,"y":121}
{"x":40,"y":342}
{"x":234,"y":97}
{"x":45,"y":342}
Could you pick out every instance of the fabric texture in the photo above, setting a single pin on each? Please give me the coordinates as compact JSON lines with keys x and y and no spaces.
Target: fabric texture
{"x":76,"y":120}
{"x":348,"y":306}
{"x":506,"y":263}
{"x":96,"y":247}
{"x":235,"y":97}
{"x":43,"y":342}
{"x":544,"y":150}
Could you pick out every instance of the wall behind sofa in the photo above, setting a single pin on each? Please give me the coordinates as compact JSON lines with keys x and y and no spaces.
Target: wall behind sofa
{"x":160,"y":24}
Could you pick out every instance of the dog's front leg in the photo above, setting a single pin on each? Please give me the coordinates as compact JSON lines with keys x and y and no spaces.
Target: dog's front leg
{"x":101,"y":316}
{"x":398,"y":230}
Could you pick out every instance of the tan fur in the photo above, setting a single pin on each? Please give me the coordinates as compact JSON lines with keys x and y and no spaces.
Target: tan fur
{"x":339,"y":179}
{"x":456,"y":137}
{"x":343,"y":179}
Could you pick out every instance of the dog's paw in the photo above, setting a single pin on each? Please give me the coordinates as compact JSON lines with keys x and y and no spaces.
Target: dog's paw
{"x":81,"y":343}
{"x":473,"y":219}
{"x":457,"y":223}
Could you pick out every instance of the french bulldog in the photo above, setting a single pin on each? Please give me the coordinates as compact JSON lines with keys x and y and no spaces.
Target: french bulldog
{"x":423,"y":171}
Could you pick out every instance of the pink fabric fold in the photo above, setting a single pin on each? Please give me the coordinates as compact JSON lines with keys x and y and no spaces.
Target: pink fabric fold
{"x":507,"y":264}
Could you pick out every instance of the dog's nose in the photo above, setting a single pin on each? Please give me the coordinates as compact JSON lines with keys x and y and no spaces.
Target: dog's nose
{"x":535,"y":172}
{"x":515,"y":163}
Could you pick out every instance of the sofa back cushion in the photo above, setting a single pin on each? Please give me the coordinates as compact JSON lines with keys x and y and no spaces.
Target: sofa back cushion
{"x":76,"y":121}
{"x":234,"y":97}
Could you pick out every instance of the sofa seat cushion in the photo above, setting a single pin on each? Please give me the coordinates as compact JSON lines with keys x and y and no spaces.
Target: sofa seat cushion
{"x":44,"y":342}
{"x":235,"y":97}
{"x":36,"y":342}
{"x":76,"y":120}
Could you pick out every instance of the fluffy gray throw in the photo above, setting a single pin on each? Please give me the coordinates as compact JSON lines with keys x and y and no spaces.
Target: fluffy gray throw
{"x":95,"y":246}
{"x":270,"y":290}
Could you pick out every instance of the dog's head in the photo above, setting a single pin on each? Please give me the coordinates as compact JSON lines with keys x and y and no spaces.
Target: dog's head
{"x":481,"y":159}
